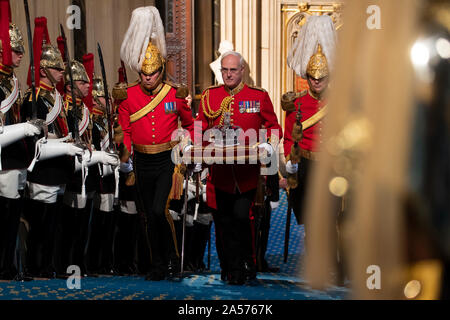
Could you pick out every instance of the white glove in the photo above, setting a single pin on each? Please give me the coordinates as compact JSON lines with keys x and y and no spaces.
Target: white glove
{"x":15,"y":132}
{"x":198,"y":167}
{"x":55,"y":149}
{"x":274,"y":205}
{"x":291,"y":168}
{"x":31,"y":130}
{"x":189,"y":220}
{"x":97,"y":157}
{"x":187,"y":148}
{"x":104,"y":157}
{"x":266,"y":146}
{"x":126,"y":167}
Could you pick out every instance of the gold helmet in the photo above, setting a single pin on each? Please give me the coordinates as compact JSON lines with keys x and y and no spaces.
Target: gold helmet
{"x":51,"y":57}
{"x":144,"y":46}
{"x":98,"y":89}
{"x":16,"y":38}
{"x":317,"y":66}
{"x":153,"y":60}
{"x":78,"y":72}
{"x":313,"y":51}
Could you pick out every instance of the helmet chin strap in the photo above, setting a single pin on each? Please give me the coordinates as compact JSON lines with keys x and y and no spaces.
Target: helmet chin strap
{"x":50,"y":77}
{"x":100,"y":104}
{"x":159,"y":79}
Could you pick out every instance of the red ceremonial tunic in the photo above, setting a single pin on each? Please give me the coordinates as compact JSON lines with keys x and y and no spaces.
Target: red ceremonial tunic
{"x":311,"y":136}
{"x":250,"y":109}
{"x":157,"y":126}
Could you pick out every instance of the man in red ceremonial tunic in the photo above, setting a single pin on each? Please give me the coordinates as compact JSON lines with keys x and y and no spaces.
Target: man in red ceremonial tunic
{"x":310,"y":102}
{"x":148,"y":117}
{"x":234,"y":185}
{"x":311,"y":58}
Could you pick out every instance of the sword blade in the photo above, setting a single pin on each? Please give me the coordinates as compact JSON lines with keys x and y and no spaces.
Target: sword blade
{"x":72,"y":87}
{"x":184,"y":221}
{"x":287,"y":231}
{"x":32,"y":71}
{"x":108,"y":105}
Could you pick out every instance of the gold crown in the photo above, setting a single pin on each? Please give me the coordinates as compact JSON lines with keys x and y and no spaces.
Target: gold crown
{"x":16,"y":38}
{"x":78,"y":72}
{"x":51,"y":57}
{"x":317,"y":65}
{"x":153,"y":60}
{"x":98,"y":89}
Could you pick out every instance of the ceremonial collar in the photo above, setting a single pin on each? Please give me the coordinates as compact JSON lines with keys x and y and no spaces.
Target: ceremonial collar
{"x":68,"y":98}
{"x":236,"y":90}
{"x":97,"y":112}
{"x":7,"y":71}
{"x":315,"y":95}
{"x":153,"y":92}
{"x":45,"y":86}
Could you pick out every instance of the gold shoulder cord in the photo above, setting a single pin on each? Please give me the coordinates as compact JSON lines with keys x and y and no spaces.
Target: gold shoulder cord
{"x":211,"y":115}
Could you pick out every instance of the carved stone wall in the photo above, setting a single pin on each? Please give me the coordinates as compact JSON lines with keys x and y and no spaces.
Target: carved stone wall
{"x":178,"y":24}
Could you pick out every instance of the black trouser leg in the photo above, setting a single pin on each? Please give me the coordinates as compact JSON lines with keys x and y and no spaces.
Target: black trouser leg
{"x":107,"y":240}
{"x":220,"y":247}
{"x":10,"y":218}
{"x":58,"y":238}
{"x":41,"y":238}
{"x":154,"y":181}
{"x":264,"y":227}
{"x":297,"y":195}
{"x":94,"y":256}
{"x":82,"y":217}
{"x":201,"y":235}
{"x":68,"y":232}
{"x":233,"y":217}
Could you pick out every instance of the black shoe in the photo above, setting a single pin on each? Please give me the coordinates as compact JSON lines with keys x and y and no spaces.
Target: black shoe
{"x":250,"y":271}
{"x":47,"y":275}
{"x":22,"y":277}
{"x":173,"y":269}
{"x":265,"y":268}
{"x":8,"y":275}
{"x":224,"y":275}
{"x":237,"y":278}
{"x":155,"y":275}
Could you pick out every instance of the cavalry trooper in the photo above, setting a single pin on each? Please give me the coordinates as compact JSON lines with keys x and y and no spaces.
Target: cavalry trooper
{"x":311,"y":62}
{"x":103,"y":221}
{"x":78,"y":197}
{"x":148,"y":117}
{"x":53,"y":166}
{"x":14,"y":160}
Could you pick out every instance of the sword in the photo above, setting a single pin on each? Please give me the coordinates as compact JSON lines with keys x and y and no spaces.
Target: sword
{"x":112,"y":147}
{"x":186,"y":186}
{"x":72,"y":87}
{"x":30,"y":45}
{"x":288,"y":228}
{"x":34,"y":120}
{"x":124,"y":70}
{"x":209,"y":246}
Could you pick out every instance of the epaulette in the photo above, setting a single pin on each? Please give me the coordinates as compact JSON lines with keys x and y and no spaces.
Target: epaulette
{"x":214,"y":87}
{"x":182,"y":91}
{"x":135,"y":83}
{"x":28,"y":92}
{"x":256,"y":88}
{"x":119,"y":91}
{"x":287,"y":100}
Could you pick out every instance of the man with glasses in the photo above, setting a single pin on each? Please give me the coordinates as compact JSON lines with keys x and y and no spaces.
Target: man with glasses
{"x":234,"y":185}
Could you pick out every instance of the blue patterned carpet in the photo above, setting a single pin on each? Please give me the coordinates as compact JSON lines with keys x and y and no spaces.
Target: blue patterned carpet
{"x":285,"y":285}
